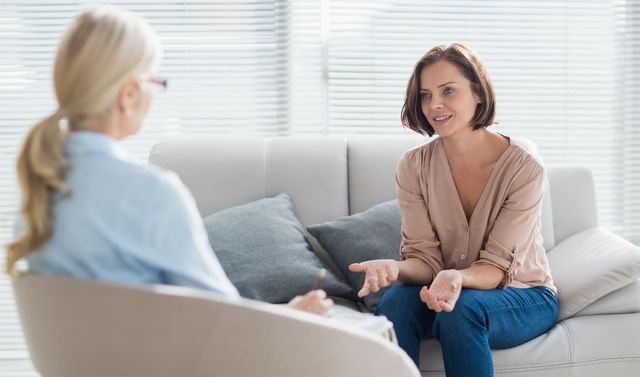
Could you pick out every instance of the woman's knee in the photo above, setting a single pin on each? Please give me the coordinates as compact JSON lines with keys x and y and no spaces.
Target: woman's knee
{"x":466,"y":318}
{"x":400,"y":301}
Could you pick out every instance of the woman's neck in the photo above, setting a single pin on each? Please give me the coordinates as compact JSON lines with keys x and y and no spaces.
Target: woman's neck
{"x":474,"y":148}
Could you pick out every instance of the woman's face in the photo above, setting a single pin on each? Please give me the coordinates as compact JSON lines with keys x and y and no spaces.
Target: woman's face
{"x":446,"y":97}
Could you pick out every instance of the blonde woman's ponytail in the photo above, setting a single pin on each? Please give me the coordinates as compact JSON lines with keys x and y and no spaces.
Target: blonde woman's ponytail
{"x":101,"y":49}
{"x":41,"y":171}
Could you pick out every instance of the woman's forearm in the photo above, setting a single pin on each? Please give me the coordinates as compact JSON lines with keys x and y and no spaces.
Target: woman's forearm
{"x":414,"y":271}
{"x":483,"y":277}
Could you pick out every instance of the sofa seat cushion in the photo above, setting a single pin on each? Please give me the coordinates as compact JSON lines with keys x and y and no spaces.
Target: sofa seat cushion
{"x":264,"y":252}
{"x":571,"y":348}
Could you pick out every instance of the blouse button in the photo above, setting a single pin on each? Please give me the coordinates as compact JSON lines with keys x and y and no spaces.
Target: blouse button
{"x":462,"y":257}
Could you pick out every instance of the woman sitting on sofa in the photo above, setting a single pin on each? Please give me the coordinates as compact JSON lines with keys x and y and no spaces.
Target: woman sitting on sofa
{"x":88,"y":210}
{"x":474,"y":272}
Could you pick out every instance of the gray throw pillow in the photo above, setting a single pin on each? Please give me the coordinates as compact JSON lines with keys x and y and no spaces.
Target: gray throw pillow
{"x":372,"y":234}
{"x":264,"y":252}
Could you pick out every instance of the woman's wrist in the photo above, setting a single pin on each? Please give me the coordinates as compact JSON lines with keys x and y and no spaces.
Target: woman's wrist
{"x":414,"y":271}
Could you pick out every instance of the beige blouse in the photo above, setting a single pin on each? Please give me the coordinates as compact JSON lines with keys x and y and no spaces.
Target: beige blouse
{"x":504,"y":230}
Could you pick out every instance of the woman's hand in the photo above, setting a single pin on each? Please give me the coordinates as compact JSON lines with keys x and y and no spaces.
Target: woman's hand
{"x":444,"y":291}
{"x":315,"y":302}
{"x":379,"y":273}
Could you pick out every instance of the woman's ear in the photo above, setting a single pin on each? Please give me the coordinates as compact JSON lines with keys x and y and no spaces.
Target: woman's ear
{"x":128,"y":97}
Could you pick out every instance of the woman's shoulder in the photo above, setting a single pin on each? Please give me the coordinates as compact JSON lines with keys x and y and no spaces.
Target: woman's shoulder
{"x":525,"y":154}
{"x":419,"y":154}
{"x":524,"y":163}
{"x":526,"y":147}
{"x":151,"y":182}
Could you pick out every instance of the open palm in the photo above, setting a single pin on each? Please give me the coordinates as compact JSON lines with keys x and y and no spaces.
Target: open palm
{"x":443,"y":292}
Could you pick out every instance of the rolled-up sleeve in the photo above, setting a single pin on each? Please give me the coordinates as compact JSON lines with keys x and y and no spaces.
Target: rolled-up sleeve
{"x":419,"y":240}
{"x":515,"y":227}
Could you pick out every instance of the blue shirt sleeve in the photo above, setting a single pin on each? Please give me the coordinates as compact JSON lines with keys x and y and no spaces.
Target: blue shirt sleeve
{"x":175,"y":238}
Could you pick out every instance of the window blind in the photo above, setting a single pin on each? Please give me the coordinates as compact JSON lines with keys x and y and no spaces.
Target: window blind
{"x":565,"y":74}
{"x":628,"y":87}
{"x":552,"y":64}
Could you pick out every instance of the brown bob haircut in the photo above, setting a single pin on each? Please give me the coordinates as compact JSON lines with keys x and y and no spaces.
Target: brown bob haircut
{"x":471,"y":67}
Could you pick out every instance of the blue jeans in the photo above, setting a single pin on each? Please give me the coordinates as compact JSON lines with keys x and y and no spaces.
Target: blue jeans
{"x":480,"y":321}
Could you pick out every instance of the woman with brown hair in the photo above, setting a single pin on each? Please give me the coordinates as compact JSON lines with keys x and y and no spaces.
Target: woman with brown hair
{"x":474,"y":272}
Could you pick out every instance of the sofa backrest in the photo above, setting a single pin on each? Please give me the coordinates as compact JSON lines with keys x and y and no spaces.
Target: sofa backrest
{"x":329,"y":177}
{"x":226,"y":171}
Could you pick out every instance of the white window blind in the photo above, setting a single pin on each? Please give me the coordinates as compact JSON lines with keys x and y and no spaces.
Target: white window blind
{"x":628,"y":22}
{"x":566,"y":74}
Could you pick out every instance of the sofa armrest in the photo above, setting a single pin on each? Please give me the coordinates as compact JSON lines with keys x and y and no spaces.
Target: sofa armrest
{"x":590,"y":265}
{"x":625,"y":300}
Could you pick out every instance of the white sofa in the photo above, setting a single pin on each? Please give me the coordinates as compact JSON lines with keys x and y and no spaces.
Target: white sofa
{"x":328,"y":178}
{"x":331,"y":177}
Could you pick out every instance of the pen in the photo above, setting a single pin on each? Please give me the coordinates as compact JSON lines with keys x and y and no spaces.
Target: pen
{"x":318,"y":282}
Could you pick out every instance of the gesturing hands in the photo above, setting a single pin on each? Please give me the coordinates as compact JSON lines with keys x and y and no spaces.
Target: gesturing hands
{"x":379,"y":273}
{"x":444,"y":291}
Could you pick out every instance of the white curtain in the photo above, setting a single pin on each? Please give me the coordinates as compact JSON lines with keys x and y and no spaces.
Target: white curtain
{"x":566,"y":74}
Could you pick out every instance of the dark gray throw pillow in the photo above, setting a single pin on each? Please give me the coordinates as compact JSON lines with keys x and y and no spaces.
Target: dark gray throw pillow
{"x":372,"y":234}
{"x":264,"y":252}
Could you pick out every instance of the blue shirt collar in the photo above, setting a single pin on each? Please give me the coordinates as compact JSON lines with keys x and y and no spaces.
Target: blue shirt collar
{"x":83,"y":143}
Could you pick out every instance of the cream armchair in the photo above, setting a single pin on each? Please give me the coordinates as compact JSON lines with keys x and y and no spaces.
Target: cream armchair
{"x":78,"y":328}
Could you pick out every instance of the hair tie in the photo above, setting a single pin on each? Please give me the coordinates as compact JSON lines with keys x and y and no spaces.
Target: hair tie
{"x":58,"y":114}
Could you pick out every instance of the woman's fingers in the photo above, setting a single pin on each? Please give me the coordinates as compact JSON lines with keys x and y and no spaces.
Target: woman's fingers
{"x":356,"y":267}
{"x":319,"y":293}
{"x":430,"y":299}
{"x":378,"y":274}
{"x":447,"y":307}
{"x":365,"y":290}
{"x":372,"y":280}
{"x":382,"y":277}
{"x":390,"y":273}
{"x":315,"y":302}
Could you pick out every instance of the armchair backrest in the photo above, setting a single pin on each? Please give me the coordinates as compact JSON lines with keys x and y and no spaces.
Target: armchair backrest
{"x":78,"y":328}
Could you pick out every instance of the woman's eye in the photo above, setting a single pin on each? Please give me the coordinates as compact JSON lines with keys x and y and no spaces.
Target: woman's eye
{"x":448,"y":91}
{"x":425,"y":96}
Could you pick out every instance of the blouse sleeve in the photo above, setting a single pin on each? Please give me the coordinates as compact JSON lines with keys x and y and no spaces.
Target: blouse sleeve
{"x":513,"y":232}
{"x":419,"y":240}
{"x":177,"y":243}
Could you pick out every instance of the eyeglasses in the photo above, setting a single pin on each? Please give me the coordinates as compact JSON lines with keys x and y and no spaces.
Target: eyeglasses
{"x":159,"y":82}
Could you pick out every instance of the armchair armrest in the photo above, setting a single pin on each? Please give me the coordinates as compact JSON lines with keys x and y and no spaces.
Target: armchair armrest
{"x":590,"y":265}
{"x":77,"y":328}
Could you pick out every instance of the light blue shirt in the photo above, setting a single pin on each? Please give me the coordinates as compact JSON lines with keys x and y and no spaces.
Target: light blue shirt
{"x":126,"y":222}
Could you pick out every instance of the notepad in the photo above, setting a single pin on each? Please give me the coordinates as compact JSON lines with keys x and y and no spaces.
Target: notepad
{"x":378,"y":325}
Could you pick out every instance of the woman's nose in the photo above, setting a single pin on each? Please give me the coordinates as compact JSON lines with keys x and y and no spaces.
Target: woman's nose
{"x":436,"y":104}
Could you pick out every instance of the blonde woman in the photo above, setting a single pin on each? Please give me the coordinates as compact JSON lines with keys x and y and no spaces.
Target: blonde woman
{"x":88,"y":210}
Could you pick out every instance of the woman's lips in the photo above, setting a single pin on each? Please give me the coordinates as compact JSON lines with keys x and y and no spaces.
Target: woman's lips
{"x":442,"y":119}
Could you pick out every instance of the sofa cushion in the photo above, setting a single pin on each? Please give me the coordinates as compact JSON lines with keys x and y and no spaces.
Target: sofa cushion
{"x":590,"y":265}
{"x":262,"y":248}
{"x":372,"y":234}
{"x":623,"y":301}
